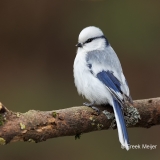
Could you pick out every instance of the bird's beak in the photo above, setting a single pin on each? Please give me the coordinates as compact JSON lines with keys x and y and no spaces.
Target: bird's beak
{"x":79,"y":45}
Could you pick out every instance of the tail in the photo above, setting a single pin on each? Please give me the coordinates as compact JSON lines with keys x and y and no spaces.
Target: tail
{"x":121,"y":125}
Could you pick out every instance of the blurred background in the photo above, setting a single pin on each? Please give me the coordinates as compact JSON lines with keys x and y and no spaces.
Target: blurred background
{"x":37,"y":50}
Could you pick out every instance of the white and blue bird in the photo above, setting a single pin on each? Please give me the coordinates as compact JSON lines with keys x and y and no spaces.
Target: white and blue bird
{"x":99,"y":77}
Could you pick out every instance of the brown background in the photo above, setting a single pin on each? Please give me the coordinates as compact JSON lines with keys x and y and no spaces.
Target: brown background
{"x":37,"y":50}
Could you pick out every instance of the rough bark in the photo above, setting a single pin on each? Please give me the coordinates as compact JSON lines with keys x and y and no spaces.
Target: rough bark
{"x":37,"y":126}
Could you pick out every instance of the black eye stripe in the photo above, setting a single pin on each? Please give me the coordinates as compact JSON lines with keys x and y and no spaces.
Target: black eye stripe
{"x":91,"y":39}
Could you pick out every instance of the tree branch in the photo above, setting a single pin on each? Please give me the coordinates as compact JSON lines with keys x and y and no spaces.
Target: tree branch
{"x":37,"y":126}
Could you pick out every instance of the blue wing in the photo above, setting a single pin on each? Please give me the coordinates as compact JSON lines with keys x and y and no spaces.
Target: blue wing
{"x":114,"y":86}
{"x":112,"y":83}
{"x":106,"y":59}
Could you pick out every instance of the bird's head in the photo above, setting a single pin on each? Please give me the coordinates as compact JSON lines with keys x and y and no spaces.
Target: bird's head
{"x":92,"y":38}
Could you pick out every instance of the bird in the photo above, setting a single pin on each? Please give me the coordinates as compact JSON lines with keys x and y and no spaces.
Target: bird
{"x":98,"y":76}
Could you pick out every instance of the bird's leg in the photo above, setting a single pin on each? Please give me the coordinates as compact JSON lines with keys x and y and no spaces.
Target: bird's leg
{"x":92,"y":106}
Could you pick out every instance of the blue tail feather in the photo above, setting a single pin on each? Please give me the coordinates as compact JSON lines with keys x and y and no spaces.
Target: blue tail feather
{"x":120,"y":115}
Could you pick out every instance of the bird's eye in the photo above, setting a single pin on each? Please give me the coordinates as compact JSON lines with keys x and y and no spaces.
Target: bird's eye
{"x":89,"y":40}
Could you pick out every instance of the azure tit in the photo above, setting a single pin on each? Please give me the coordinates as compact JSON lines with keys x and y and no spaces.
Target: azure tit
{"x":99,"y":77}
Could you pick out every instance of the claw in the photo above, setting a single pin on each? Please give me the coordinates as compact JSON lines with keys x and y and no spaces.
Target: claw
{"x":92,"y":106}
{"x":88,"y":104}
{"x":96,"y":109}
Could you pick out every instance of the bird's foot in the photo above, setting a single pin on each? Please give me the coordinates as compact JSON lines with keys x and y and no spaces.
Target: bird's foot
{"x":88,"y":104}
{"x":92,"y":106}
{"x":131,"y":115}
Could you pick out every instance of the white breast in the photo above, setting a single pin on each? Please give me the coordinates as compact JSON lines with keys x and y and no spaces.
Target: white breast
{"x":87,"y":84}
